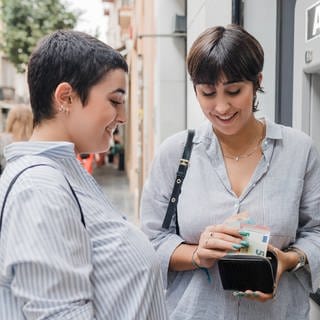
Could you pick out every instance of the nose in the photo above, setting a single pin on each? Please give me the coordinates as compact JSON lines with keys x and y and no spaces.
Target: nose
{"x":121,"y":116}
{"x":222,"y":106}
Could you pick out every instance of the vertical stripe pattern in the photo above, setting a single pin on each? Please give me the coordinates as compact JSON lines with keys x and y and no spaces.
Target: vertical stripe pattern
{"x":50,"y":265}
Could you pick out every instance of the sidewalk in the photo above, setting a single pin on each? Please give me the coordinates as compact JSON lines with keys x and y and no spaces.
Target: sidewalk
{"x":116,"y":187}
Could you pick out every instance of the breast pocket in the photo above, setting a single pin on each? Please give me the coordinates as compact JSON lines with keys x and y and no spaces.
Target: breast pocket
{"x":281,"y":202}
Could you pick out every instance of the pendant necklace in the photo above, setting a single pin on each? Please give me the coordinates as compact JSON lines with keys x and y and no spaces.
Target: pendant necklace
{"x":245,"y":155}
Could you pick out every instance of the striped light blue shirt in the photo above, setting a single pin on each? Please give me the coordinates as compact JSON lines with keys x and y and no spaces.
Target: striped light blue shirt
{"x":283,"y":193}
{"x":51,"y":266}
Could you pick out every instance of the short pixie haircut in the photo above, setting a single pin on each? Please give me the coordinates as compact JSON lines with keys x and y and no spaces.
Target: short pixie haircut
{"x":225,"y":51}
{"x":68,"y":56}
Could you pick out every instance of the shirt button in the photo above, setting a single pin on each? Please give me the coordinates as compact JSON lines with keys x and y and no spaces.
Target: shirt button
{"x":266,"y":142}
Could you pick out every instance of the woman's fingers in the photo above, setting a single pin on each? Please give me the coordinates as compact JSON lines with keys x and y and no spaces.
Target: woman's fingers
{"x":216,"y":241}
{"x":222,"y":228}
{"x":224,"y":242}
{"x":221,"y":237}
{"x":253,"y":295}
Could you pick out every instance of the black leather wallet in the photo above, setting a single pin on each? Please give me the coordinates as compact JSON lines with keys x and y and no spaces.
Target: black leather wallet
{"x":239,"y":272}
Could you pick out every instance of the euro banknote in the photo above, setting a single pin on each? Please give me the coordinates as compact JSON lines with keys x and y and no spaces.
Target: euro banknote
{"x":258,"y":238}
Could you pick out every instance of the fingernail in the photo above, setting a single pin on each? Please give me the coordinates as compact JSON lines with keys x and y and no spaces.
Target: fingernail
{"x":238,"y":294}
{"x":255,"y":294}
{"x":244,"y":233}
{"x":244,"y":243}
{"x":237,"y":246}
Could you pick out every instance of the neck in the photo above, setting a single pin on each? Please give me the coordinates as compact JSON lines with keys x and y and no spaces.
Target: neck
{"x":49,"y":130}
{"x":242,"y":141}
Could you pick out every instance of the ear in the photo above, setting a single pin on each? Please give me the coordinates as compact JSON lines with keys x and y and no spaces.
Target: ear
{"x":62,"y":94}
{"x":260,"y":78}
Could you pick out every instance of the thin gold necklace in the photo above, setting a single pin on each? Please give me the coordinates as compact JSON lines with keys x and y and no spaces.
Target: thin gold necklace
{"x":245,"y":155}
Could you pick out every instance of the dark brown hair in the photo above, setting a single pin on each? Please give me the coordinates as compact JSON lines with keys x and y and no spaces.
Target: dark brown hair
{"x":226,"y":51}
{"x":68,"y":56}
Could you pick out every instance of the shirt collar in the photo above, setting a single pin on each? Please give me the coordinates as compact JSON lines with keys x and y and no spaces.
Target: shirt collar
{"x":56,"y":149}
{"x":273,"y":130}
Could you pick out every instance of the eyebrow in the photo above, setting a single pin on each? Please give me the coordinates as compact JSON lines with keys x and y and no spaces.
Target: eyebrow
{"x":230,"y":82}
{"x":223,"y":83}
{"x":119,"y":90}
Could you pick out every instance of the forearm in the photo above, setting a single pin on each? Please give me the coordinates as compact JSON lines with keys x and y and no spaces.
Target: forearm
{"x":181,"y":258}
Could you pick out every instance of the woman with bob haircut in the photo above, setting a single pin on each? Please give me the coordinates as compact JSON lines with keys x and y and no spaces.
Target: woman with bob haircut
{"x":241,"y":169}
{"x":65,"y":252}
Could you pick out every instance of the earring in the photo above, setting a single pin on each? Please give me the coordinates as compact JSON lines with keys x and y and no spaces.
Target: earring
{"x":62,"y":108}
{"x":255,"y":103}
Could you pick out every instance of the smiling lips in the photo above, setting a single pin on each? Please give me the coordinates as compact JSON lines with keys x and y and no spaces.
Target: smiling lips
{"x":226,"y":118}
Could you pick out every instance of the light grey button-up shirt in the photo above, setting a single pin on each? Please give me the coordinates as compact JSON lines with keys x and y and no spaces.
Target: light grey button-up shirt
{"x":283,"y":193}
{"x":51,"y":267}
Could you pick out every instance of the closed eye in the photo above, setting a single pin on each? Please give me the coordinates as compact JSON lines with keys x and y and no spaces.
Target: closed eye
{"x":115,"y":103}
{"x":233,"y":93}
{"x":208,"y":94}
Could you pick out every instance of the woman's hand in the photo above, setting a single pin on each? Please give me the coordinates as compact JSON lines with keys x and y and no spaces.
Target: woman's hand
{"x":215,"y":242}
{"x":286,"y":261}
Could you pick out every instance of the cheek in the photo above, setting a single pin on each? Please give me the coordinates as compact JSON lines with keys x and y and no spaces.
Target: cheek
{"x":205,"y":104}
{"x":246,"y":103}
{"x":109,"y":114}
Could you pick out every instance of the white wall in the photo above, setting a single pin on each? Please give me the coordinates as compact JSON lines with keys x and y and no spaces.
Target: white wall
{"x":169,"y":79}
{"x":201,"y":15}
{"x":260,"y":19}
{"x":302,"y":70}
{"x":306,"y":93}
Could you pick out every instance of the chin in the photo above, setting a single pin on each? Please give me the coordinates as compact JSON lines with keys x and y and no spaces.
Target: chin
{"x":103,"y":148}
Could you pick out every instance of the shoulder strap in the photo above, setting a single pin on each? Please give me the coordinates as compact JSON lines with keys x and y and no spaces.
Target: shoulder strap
{"x":15,"y":179}
{"x":181,"y":173}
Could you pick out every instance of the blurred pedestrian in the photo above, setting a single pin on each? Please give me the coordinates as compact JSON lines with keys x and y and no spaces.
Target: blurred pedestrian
{"x":18,"y":127}
{"x":65,"y":252}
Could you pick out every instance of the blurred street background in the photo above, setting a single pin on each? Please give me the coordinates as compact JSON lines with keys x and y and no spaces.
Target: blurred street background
{"x":115,"y":184}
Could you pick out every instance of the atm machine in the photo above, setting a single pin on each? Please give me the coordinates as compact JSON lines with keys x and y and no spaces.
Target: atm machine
{"x":306,"y":85}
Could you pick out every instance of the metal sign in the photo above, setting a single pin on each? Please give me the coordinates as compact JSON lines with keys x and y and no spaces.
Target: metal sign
{"x":313,"y":21}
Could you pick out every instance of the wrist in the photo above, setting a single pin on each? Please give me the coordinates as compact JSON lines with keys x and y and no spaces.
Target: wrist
{"x":195,"y":259}
{"x":292,"y":260}
{"x":196,"y":265}
{"x":297,"y":259}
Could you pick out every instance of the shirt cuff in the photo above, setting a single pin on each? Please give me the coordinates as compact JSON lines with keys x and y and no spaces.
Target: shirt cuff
{"x":165,"y":252}
{"x":309,"y":276}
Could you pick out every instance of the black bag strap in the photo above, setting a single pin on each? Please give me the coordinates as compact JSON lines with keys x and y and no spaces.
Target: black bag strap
{"x":181,"y":173}
{"x":15,"y":179}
